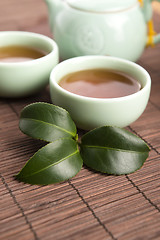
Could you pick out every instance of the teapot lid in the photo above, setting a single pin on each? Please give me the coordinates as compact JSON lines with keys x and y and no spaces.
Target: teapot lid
{"x":101,"y":6}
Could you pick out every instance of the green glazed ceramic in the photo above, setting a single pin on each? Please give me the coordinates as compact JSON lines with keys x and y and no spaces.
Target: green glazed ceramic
{"x":89,"y":113}
{"x":19,"y":79}
{"x":99,"y":27}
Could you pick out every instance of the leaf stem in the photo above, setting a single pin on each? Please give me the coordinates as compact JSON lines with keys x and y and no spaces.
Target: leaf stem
{"x":76,"y":138}
{"x":79,"y":143}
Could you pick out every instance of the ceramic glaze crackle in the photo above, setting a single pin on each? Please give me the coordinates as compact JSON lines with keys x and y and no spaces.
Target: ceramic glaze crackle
{"x":98,"y":27}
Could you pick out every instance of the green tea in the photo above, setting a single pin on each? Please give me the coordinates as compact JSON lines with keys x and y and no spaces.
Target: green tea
{"x":19,"y":53}
{"x":100,"y":83}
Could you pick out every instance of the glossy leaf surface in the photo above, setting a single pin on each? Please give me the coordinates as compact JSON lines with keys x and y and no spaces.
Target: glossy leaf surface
{"x":113,"y":150}
{"x":56,"y":162}
{"x":46,"y":122}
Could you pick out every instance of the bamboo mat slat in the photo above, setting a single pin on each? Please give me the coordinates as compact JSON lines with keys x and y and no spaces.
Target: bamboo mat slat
{"x":91,"y":206}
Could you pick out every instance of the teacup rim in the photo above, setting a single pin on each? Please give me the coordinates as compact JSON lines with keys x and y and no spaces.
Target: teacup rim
{"x":85,"y":98}
{"x":30,"y":62}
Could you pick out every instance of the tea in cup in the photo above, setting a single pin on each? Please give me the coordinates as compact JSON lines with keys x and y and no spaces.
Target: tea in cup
{"x":26,"y":60}
{"x":100,"y":83}
{"x":100,"y":90}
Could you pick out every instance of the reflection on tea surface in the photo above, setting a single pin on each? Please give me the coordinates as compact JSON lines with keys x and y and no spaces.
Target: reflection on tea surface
{"x":100,"y":83}
{"x":19,"y":53}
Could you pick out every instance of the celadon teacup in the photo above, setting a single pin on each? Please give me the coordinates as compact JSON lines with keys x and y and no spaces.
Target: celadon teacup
{"x":19,"y":79}
{"x":88,"y":112}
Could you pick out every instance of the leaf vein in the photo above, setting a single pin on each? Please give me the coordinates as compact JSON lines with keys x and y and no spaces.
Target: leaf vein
{"x":114,"y":149}
{"x":51,"y":165}
{"x":62,"y":129}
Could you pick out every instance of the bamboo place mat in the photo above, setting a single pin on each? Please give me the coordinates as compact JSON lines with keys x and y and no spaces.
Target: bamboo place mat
{"x":91,"y":206}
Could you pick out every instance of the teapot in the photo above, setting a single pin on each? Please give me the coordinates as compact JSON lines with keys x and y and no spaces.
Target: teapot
{"x":120,"y":28}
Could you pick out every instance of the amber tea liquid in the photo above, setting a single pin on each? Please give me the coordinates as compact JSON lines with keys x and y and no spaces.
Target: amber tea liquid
{"x":100,"y":83}
{"x":19,"y":53}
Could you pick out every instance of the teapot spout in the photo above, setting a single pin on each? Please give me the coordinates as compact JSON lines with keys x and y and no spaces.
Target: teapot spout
{"x":54,"y":6}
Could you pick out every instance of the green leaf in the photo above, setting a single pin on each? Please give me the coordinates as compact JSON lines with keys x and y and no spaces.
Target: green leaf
{"x":113,"y":150}
{"x":46,"y":122}
{"x":56,"y":162}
